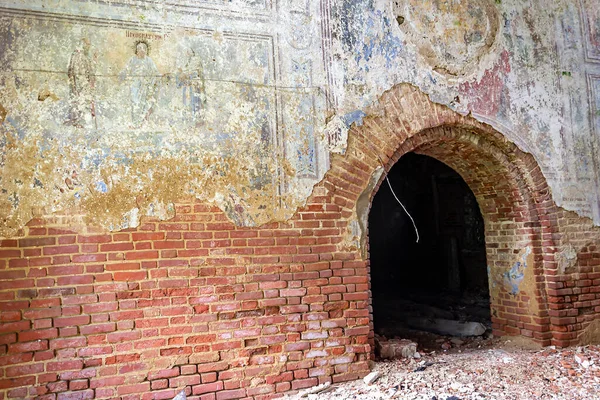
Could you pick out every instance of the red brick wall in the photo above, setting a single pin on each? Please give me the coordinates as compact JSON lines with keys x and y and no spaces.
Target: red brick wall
{"x":194,"y":302}
{"x":223,"y":312}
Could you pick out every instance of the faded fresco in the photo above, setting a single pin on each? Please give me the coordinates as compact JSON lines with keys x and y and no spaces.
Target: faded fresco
{"x":521,"y":67}
{"x":114,"y":109}
{"x":102,"y":114}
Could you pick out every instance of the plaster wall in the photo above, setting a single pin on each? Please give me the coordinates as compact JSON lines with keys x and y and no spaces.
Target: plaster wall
{"x":240,"y":103}
{"x":529,"y":69}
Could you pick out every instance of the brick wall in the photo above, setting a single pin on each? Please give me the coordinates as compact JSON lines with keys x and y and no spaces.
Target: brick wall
{"x":223,"y":312}
{"x":190,"y":303}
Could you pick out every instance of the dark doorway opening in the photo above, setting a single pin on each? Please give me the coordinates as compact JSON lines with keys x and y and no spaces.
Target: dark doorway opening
{"x":444,"y":275}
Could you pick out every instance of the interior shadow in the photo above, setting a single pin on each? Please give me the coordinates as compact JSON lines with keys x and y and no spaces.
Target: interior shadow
{"x":444,"y":275}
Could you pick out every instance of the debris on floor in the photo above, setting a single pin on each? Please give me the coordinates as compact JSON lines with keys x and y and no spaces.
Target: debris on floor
{"x":450,"y":314}
{"x":500,"y":372}
{"x":323,"y":388}
{"x":447,"y":326}
{"x":372,"y":377}
{"x":394,"y":348}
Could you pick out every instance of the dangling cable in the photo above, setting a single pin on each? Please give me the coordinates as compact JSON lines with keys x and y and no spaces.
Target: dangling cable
{"x":404,"y":208}
{"x":392,"y":190}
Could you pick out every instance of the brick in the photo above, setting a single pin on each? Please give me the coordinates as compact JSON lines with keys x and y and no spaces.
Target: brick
{"x":130,"y":276}
{"x":64,"y":343}
{"x":98,"y":328}
{"x":78,"y":384}
{"x":94,"y":351}
{"x":18,"y":358}
{"x":71,"y":321}
{"x":10,"y":253}
{"x":186,"y":380}
{"x":135,"y":388}
{"x":149,"y":236}
{"x":64,"y":365}
{"x":39,"y":334}
{"x":85,"y":373}
{"x":117,"y":337}
{"x":123,"y":266}
{"x":54,"y":250}
{"x":22,"y":370}
{"x":207,"y":388}
{"x":231,"y":394}
{"x":304,"y":383}
{"x":18,"y":283}
{"x":83,"y":299}
{"x":17,"y":382}
{"x":141,"y":255}
{"x":94,"y":238}
{"x":28,"y":346}
{"x":61,"y":386}
{"x":77,"y":395}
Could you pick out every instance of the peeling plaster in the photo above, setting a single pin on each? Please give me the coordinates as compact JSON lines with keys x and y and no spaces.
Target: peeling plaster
{"x":519,"y":279}
{"x":567,"y":258}
{"x":359,"y":226}
{"x":591,"y":334}
{"x":240,"y":104}
{"x":530,"y":79}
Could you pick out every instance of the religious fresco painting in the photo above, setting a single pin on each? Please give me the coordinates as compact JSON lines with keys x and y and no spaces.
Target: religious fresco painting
{"x":116,"y":93}
{"x":120,"y":88}
{"x":244,"y":100}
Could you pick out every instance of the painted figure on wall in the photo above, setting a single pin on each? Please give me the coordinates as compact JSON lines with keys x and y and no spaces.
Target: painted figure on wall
{"x":81,"y":72}
{"x":144,"y":80}
{"x":190,"y":79}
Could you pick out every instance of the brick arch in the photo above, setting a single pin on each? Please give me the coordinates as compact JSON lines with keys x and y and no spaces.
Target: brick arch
{"x":511,"y":191}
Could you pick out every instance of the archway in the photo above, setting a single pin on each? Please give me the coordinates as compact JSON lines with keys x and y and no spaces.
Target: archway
{"x":441,"y":278}
{"x":513,"y":196}
{"x":499,"y":176}
{"x":534,"y":264}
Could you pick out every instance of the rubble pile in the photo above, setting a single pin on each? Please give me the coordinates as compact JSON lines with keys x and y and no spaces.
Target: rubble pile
{"x":487,"y":373}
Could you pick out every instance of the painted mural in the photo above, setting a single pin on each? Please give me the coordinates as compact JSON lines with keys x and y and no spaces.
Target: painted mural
{"x":456,"y":38}
{"x":517,"y":66}
{"x":515,"y":276}
{"x":116,"y":106}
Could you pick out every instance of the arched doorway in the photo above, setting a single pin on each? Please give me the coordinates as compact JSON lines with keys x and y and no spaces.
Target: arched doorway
{"x":442,"y":276}
{"x":499,"y":176}
{"x":533,"y":263}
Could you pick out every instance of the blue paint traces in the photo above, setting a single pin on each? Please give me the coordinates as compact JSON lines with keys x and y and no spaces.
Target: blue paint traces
{"x":367,"y":33}
{"x":354,"y":117}
{"x":101,"y":187}
{"x":515,"y":276}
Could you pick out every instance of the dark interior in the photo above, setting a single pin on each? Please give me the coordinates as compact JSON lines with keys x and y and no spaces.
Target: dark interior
{"x":445,"y":273}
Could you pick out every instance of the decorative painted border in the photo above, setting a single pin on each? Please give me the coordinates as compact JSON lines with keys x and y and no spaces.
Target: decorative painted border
{"x":327,"y":49}
{"x":592,"y":54}
{"x":194,"y":7}
{"x":593,"y":81}
{"x":184,"y":8}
